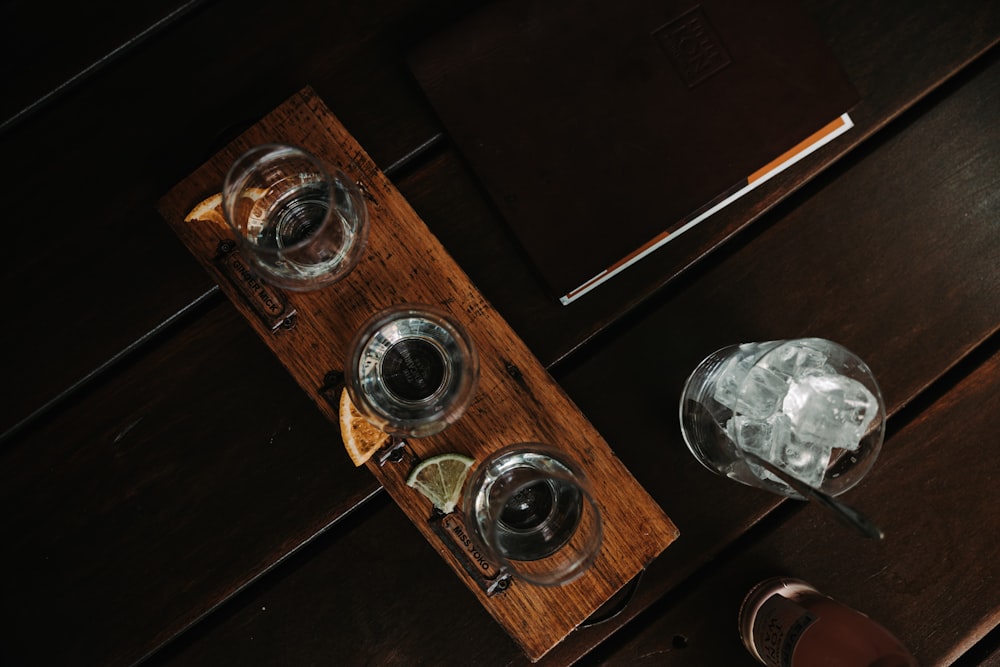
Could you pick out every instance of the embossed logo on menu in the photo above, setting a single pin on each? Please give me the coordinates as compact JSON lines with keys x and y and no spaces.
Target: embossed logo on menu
{"x":693,"y":46}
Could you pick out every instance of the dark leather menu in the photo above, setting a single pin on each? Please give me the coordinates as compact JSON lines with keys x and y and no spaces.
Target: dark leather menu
{"x":602,"y":130}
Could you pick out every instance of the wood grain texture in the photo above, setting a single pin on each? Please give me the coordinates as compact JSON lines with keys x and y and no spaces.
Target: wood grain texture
{"x":125,"y":532}
{"x":139,"y":124}
{"x":922,"y":248}
{"x":404,"y":263}
{"x":932,"y":581}
{"x":151,"y":117}
{"x":986,"y":654}
{"x":154,"y":497}
{"x":53,"y":54}
{"x":884,"y":51}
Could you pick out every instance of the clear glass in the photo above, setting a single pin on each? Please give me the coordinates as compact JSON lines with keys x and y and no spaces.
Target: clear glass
{"x":412,"y":370}
{"x":303,"y":226}
{"x":531,"y":509}
{"x":807,"y":405}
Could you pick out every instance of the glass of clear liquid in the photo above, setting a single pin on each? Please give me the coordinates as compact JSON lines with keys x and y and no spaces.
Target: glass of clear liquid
{"x":808,"y":405}
{"x":412,"y":370}
{"x":531,"y":509}
{"x":302,"y":225}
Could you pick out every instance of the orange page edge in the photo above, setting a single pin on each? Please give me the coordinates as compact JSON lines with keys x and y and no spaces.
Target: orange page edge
{"x":818,"y":139}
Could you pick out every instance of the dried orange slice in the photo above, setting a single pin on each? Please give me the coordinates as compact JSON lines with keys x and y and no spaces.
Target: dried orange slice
{"x":209,"y":210}
{"x":361,"y":438}
{"x":441,"y":478}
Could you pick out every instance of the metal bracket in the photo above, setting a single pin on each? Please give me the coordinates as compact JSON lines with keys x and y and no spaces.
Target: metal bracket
{"x":450,"y":528}
{"x":267,"y":302}
{"x":395,"y":452}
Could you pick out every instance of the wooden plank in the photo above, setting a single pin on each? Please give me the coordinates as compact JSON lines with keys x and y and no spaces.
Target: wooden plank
{"x":154,"y":498}
{"x":138,"y":126}
{"x":151,"y":117}
{"x":883,"y":51}
{"x":985,"y":655}
{"x":920,"y":246}
{"x":932,"y":581}
{"x":404,"y":263}
{"x":53,"y":53}
{"x":139,"y":113}
{"x":372,"y":593}
{"x":911,"y":225}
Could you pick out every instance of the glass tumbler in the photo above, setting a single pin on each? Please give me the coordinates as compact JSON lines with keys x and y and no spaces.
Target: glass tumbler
{"x":809,"y":406}
{"x":303,"y":226}
{"x":412,"y":370}
{"x":531,"y":509}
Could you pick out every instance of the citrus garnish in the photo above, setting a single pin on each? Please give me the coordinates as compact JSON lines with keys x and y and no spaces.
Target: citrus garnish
{"x":441,"y":478}
{"x":209,"y":209}
{"x":361,"y":438}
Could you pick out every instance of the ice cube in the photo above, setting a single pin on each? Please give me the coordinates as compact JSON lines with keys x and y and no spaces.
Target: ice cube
{"x":764,"y":438}
{"x":781,"y":432}
{"x":753,"y":435}
{"x":831,"y":409}
{"x":798,"y":358}
{"x":761,"y":394}
{"x":804,"y":459}
{"x":732,"y":375}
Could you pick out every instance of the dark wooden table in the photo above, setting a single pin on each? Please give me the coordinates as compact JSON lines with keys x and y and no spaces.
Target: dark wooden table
{"x":170,"y":495}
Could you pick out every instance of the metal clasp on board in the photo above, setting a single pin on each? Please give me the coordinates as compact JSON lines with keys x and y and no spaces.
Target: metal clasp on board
{"x":450,"y":528}
{"x":267,"y":302}
{"x":395,"y":451}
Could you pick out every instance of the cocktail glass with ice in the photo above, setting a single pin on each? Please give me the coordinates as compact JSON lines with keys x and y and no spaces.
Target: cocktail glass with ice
{"x":807,"y":405}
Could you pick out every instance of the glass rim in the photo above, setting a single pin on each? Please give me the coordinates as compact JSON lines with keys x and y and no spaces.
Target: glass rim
{"x":465,"y":382}
{"x":567,"y":470}
{"x":238,"y":173}
{"x":860,"y":371}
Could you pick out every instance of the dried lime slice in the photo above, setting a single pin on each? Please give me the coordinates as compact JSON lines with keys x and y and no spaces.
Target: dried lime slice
{"x":441,"y":478}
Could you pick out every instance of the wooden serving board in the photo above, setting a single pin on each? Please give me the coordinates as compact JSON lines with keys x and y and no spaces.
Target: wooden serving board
{"x":517,"y":400}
